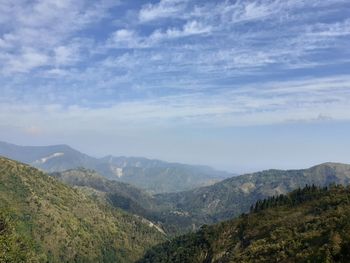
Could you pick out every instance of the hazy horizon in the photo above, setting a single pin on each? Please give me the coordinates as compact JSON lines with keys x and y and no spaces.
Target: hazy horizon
{"x":237,"y":85}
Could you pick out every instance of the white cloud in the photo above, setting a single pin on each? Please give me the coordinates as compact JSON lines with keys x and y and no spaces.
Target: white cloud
{"x":124,"y":38}
{"x":163,"y":9}
{"x":26,"y":61}
{"x":165,"y":61}
{"x":248,"y":11}
{"x":47,"y":26}
{"x":189,"y":29}
{"x":65,"y":55}
{"x":337,"y":29}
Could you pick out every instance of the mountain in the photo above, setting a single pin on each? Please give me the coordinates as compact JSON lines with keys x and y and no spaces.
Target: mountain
{"x":48,"y":158}
{"x":128,"y":198}
{"x":158,"y":176}
{"x":307,"y":225}
{"x":44,"y":220}
{"x":117,"y":194}
{"x":152,"y":175}
{"x":233,"y":196}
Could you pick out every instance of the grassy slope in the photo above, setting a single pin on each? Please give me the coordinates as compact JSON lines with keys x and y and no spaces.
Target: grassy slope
{"x":58,"y":223}
{"x":313,"y":226}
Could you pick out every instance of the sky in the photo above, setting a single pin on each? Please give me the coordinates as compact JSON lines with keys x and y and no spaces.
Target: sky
{"x":239,"y":85}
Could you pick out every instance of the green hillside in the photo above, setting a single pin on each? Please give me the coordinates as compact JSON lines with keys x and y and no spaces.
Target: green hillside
{"x":43,"y":220}
{"x":308,"y":225}
{"x":122,"y":195}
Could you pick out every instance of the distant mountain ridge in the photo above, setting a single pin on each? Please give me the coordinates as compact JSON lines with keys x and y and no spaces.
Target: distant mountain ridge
{"x":182,"y":211}
{"x":233,"y":196}
{"x":153,"y":175}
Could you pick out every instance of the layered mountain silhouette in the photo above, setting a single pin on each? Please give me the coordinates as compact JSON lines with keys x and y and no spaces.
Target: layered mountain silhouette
{"x":233,"y":196}
{"x":152,"y":175}
{"x":186,"y":211}
{"x":79,"y":215}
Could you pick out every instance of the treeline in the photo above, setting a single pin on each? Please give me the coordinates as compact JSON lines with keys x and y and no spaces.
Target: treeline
{"x":298,"y":196}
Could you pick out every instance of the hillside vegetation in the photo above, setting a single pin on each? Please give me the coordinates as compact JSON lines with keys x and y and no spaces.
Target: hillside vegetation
{"x":178,"y":213}
{"x":120,"y":194}
{"x":128,"y":198}
{"x":233,"y":196}
{"x":307,"y":225}
{"x":43,"y":220}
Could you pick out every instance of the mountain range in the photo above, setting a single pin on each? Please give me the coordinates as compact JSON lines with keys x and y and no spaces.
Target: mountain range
{"x":186,"y":211}
{"x":154,"y":176}
{"x":66,"y":210}
{"x":233,"y":196}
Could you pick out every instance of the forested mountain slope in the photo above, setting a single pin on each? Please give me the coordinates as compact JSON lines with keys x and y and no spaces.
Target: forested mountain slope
{"x":186,"y":211}
{"x":128,"y":198}
{"x":43,"y":220}
{"x":233,"y":196}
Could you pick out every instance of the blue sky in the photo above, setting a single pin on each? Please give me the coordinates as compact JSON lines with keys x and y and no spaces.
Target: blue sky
{"x":239,"y":85}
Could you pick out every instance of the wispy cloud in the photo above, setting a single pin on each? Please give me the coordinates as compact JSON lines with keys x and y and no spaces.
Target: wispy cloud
{"x":172,"y":58}
{"x":190,"y":28}
{"x":161,"y":10}
{"x":271,"y":103}
{"x":43,"y":33}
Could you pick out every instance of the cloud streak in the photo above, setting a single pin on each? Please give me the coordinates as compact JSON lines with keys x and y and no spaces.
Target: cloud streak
{"x":161,"y":10}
